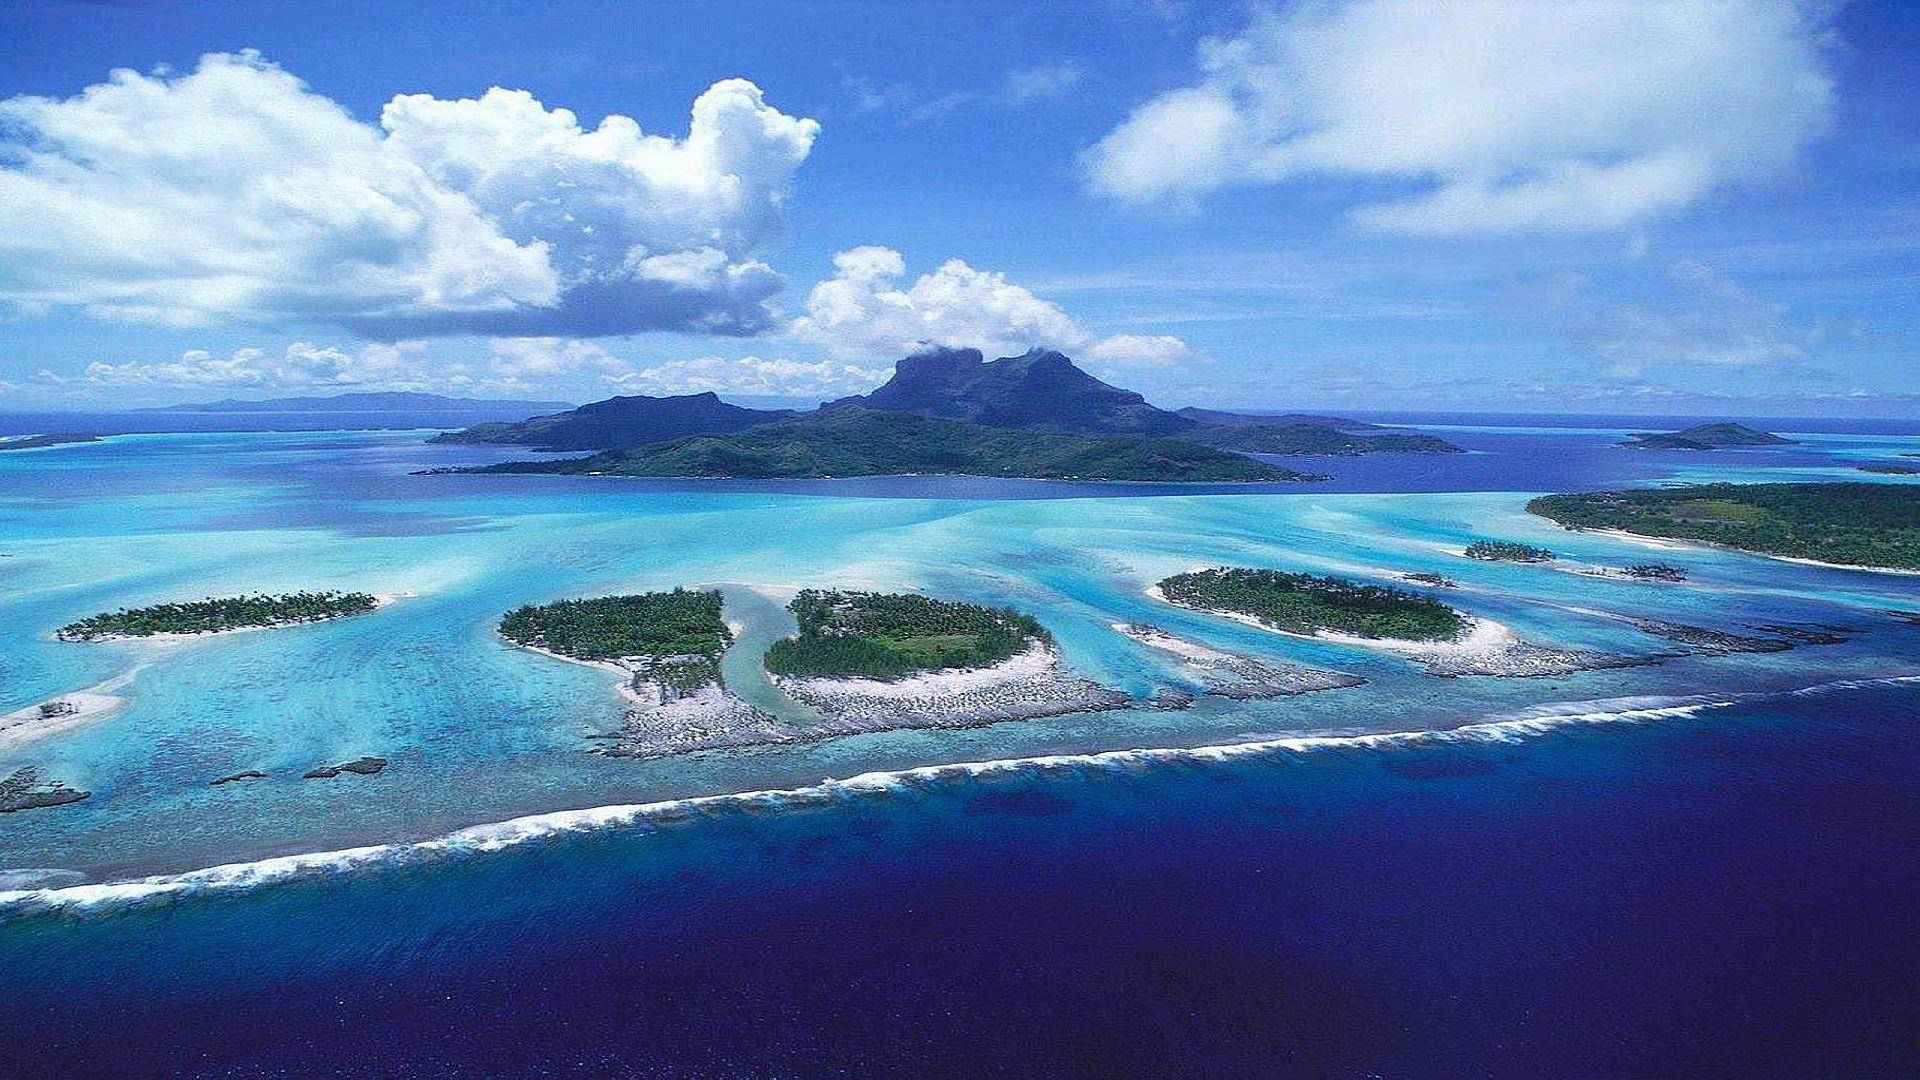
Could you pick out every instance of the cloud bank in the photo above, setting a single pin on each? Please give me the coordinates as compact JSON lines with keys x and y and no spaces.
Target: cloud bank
{"x":236,"y":193}
{"x":866,"y":311}
{"x":1489,"y":115}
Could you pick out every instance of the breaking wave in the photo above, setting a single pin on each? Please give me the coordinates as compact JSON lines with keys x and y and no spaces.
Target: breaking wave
{"x":496,"y":836}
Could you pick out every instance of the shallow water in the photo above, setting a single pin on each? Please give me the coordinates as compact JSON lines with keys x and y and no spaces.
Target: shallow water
{"x":1281,"y":857}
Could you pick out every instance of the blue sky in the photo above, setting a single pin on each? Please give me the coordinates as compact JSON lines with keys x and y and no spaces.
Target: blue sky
{"x":1687,"y":206}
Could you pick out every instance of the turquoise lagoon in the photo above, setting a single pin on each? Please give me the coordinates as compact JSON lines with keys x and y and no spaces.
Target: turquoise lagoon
{"x":479,"y":732}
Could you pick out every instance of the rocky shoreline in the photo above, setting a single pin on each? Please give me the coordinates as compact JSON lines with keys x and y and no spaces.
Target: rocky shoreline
{"x":1028,"y":686}
{"x":1231,"y":675}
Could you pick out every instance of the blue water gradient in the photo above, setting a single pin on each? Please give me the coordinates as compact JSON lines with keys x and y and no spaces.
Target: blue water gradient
{"x":1695,"y":867}
{"x":1728,"y":893}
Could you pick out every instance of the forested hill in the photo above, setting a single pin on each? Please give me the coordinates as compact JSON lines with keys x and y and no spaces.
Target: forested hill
{"x":622,"y":422}
{"x":853,"y":441}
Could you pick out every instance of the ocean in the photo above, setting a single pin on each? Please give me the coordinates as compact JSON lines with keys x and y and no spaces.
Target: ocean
{"x":1701,"y":867}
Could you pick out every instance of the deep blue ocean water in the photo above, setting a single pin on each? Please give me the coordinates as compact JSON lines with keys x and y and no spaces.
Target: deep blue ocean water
{"x":1712,"y":870}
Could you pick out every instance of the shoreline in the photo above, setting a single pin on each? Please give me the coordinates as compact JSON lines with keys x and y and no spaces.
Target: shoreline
{"x":1232,"y":675}
{"x":1485,"y":648}
{"x":1029,"y":685}
{"x":95,"y":703}
{"x":380,"y":600}
{"x":487,"y":837}
{"x":1668,"y":543}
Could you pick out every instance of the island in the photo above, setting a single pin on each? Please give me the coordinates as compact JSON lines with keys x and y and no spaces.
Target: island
{"x":35,"y":442}
{"x":666,"y":648}
{"x":221,"y":615}
{"x":1447,"y":642}
{"x":619,"y":422}
{"x":1890,"y":468}
{"x":1507,"y":551}
{"x":855,"y":441}
{"x":945,"y":411}
{"x":871,"y":661}
{"x":1874,"y":526}
{"x":1654,"y":572}
{"x":394,"y":401}
{"x":1706,"y":437}
{"x":1309,"y":604}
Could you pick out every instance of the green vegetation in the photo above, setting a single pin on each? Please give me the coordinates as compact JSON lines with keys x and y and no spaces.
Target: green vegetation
{"x":1857,"y":524}
{"x":1306,"y":603}
{"x":677,"y":636}
{"x":1319,"y":439}
{"x":1706,"y":437}
{"x":888,"y":635}
{"x":1507,"y":551}
{"x":1439,"y":581}
{"x":856,"y":441}
{"x":214,"y":615}
{"x":1655,"y":572}
{"x":1891,"y":468}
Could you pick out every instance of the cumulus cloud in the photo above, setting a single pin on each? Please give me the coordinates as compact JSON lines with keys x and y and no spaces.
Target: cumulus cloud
{"x":771,"y":377}
{"x":1503,"y":115}
{"x":866,"y":311}
{"x":298,"y":366}
{"x":235,"y":192}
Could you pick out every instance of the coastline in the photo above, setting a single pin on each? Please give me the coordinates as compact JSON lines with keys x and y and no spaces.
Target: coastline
{"x":1232,"y":675}
{"x":495,"y":836}
{"x":1671,"y":544}
{"x":1485,"y":648}
{"x":380,"y":600}
{"x":92,"y":704}
{"x":1028,"y":685}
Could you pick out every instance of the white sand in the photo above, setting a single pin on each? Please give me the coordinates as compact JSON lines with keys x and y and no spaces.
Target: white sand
{"x":1036,"y":660}
{"x":1668,"y":544}
{"x":380,"y":600}
{"x":92,"y":704}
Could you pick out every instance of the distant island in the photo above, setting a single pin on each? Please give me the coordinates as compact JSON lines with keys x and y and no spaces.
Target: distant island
{"x":622,"y":422}
{"x":396,"y":401}
{"x":886,"y":635}
{"x":1309,"y":604}
{"x":852,"y":441}
{"x":1871,"y":525}
{"x":1507,"y":551}
{"x":1890,"y":468}
{"x":1706,"y":437}
{"x":219,"y":615}
{"x":967,"y":405}
{"x":34,"y":442}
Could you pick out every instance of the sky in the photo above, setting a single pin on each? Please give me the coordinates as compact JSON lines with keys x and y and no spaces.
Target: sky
{"x":1684,"y":207}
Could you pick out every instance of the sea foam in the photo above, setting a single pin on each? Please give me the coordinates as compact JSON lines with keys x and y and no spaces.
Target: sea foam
{"x":497,"y":836}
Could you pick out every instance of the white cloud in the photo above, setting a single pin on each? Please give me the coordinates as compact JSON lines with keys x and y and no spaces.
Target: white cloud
{"x":1700,"y":318}
{"x":235,"y":192}
{"x":1504,"y":114}
{"x":298,"y":366}
{"x":772,"y":377}
{"x":865,"y":312}
{"x":1025,"y":86}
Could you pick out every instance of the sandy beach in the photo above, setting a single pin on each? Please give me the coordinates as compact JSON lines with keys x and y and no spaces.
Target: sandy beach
{"x":1031,"y":684}
{"x":93,"y":704}
{"x":1232,"y":675}
{"x":1669,"y":544}
{"x":1485,"y":647}
{"x":380,"y":600}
